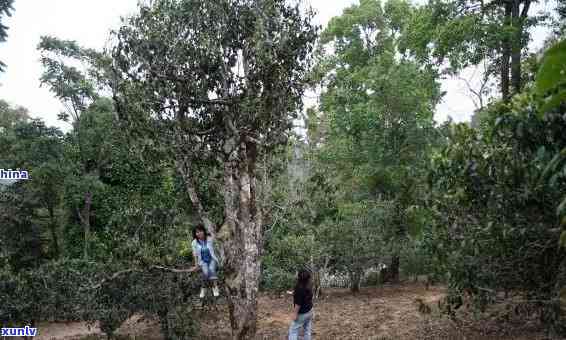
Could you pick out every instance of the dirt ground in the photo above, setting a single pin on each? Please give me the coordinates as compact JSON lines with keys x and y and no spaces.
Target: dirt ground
{"x":388,"y":312}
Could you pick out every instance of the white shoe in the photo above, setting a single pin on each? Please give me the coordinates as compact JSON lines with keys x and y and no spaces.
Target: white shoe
{"x":202,"y":293}
{"x":215,"y":291}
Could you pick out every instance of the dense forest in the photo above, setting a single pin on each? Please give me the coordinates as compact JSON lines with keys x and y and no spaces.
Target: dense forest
{"x":193,"y":116}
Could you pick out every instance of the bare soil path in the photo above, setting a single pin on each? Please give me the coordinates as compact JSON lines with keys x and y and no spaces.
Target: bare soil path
{"x":388,"y":312}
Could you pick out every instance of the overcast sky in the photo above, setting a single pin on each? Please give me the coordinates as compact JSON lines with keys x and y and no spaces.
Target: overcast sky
{"x":89,"y":22}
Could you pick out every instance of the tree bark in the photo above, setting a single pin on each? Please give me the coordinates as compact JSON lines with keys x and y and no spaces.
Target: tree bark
{"x":243,"y":254}
{"x":520,"y":18}
{"x":240,"y":235}
{"x":516,"y":47}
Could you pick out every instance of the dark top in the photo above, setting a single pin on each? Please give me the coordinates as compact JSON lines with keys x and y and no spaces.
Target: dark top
{"x":303,"y":297}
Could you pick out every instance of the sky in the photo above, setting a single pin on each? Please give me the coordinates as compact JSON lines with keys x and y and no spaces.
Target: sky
{"x":89,"y":23}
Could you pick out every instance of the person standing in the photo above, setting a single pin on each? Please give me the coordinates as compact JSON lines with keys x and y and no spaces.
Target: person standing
{"x":302,"y":303}
{"x":205,"y":258}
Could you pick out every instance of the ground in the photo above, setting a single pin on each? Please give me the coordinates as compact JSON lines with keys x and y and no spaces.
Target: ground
{"x":387,"y":312}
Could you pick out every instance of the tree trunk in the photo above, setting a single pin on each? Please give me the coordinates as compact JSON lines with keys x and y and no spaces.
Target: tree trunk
{"x":519,"y":43}
{"x":84,"y":216}
{"x":355,"y":277}
{"x":516,"y":47}
{"x":317,"y":281}
{"x":505,"y":55}
{"x":239,"y":237}
{"x":394,"y":269}
{"x":53,"y":230}
{"x":243,"y":263}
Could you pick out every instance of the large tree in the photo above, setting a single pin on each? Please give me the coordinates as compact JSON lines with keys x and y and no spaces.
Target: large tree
{"x":218,"y":83}
{"x":468,"y":32}
{"x":379,"y":107}
{"x":72,"y":73}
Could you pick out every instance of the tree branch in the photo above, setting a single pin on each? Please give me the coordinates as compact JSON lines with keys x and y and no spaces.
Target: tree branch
{"x":183,"y":167}
{"x":135,"y":270}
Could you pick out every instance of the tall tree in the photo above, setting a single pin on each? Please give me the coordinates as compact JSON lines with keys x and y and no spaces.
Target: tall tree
{"x":467,"y":32}
{"x":218,"y":83}
{"x":76,"y":87}
{"x":380,"y":110}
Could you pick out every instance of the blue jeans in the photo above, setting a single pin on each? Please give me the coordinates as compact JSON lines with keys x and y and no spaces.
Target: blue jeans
{"x":304,"y":321}
{"x":209,"y":270}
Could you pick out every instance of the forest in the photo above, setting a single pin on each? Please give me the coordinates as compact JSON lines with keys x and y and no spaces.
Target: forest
{"x":195,"y":115}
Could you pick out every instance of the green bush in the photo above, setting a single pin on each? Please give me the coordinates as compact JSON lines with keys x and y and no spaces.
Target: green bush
{"x":495,"y":193}
{"x":372,"y":279}
{"x":277,"y":279}
{"x":76,"y":290}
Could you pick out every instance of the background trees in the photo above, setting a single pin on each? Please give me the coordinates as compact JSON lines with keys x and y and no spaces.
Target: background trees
{"x":379,"y":109}
{"x":190,"y":118}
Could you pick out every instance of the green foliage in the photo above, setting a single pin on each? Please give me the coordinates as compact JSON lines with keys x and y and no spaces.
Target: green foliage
{"x":6,"y":9}
{"x":550,"y":83}
{"x":263,"y":85}
{"x":483,"y":207}
{"x":355,"y":237}
{"x":415,"y":260}
{"x":452,"y":35}
{"x":76,"y":88}
{"x":9,"y":115}
{"x":86,"y":291}
{"x":495,"y":202}
{"x":378,"y":106}
{"x":373,"y":279}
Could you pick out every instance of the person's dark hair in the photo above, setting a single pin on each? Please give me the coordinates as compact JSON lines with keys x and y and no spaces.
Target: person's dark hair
{"x":303,"y":280}
{"x":198,"y":227}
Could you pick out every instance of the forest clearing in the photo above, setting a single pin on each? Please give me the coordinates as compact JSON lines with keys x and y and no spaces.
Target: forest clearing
{"x":388,"y":312}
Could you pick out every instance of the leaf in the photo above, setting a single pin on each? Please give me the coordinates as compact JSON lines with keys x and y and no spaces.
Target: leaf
{"x":553,"y":68}
{"x":561,"y":207}
{"x":553,"y":101}
{"x":551,"y":78}
{"x":551,"y":166}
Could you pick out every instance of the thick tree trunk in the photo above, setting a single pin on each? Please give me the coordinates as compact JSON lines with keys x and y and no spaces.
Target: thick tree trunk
{"x":520,"y":19}
{"x":505,"y":55}
{"x":516,"y":48}
{"x":53,"y":230}
{"x":243,"y":258}
{"x":239,"y":237}
{"x":317,"y":277}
